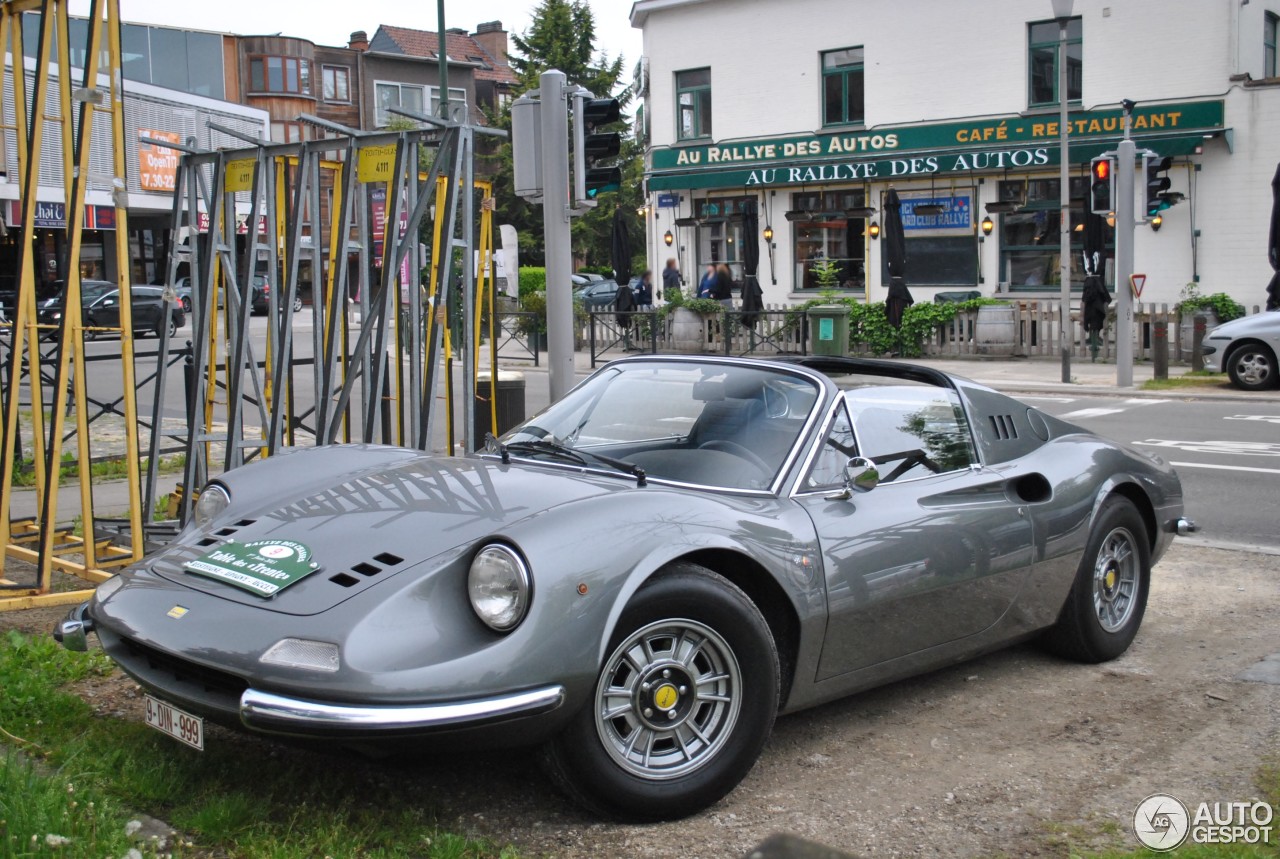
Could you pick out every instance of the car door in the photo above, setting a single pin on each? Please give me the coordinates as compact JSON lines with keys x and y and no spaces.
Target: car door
{"x":146,"y":308}
{"x":936,"y":553}
{"x":105,"y":312}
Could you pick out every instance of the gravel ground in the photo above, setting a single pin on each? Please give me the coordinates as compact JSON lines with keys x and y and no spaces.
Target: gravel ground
{"x":1017,"y":753}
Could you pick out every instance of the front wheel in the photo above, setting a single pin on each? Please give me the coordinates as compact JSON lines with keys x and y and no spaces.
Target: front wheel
{"x":1109,"y":596}
{"x":1252,"y":367}
{"x":681,"y":707}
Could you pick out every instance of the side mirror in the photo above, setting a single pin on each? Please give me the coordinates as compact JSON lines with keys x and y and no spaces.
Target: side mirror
{"x":860,"y":475}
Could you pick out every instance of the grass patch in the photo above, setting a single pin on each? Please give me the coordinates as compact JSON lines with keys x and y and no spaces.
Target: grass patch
{"x":225,"y":800}
{"x":108,"y":469}
{"x":1193,"y":379}
{"x":39,"y":809}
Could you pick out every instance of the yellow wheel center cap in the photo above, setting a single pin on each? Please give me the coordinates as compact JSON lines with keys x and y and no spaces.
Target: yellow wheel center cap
{"x":1110,"y":580}
{"x":665,"y":696}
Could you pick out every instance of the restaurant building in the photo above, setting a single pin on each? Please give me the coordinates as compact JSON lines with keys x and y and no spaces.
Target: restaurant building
{"x":813,"y":111}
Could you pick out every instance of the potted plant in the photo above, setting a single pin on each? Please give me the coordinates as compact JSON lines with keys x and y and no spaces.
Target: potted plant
{"x":533,"y":327}
{"x":687,"y":321}
{"x":1217,"y":308}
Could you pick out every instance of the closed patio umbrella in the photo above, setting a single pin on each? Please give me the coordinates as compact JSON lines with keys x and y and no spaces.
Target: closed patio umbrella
{"x":620,"y":248}
{"x":1095,"y":299}
{"x":895,"y":249}
{"x":1273,"y":245}
{"x":752,"y":295}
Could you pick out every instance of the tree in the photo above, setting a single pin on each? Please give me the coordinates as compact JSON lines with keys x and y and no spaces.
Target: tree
{"x":562,"y":36}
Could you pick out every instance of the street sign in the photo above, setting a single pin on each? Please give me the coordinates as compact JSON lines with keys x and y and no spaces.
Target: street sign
{"x":668,"y":201}
{"x":1136,"y":283}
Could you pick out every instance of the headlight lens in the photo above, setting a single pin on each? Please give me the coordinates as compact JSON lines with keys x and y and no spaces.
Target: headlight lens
{"x":209,"y":506}
{"x":498,"y":585}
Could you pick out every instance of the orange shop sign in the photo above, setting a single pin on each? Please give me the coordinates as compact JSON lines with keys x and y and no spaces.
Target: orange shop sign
{"x":157,"y":165}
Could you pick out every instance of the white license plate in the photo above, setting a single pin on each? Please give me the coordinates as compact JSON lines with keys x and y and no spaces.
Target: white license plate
{"x":182,"y":726}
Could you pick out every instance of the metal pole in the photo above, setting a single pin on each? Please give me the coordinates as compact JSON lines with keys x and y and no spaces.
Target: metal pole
{"x":444,"y":62}
{"x":555,"y":218}
{"x":1064,"y":251}
{"x":1126,"y":152}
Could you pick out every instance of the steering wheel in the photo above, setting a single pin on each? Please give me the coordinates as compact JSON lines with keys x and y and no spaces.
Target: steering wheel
{"x":737,"y":450}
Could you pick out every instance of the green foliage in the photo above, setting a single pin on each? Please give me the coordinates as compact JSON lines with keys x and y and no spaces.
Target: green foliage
{"x":871,"y":333}
{"x":532,"y":279}
{"x":536,"y":303}
{"x":827,"y":274}
{"x":1220,"y":303}
{"x":704,"y":306}
{"x":38,"y":809}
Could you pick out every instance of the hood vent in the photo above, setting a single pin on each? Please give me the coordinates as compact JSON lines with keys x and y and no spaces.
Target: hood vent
{"x":225,"y":532}
{"x":366,"y":569}
{"x":1003,"y":427}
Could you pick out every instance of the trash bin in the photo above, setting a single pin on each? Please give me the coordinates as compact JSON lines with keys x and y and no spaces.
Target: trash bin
{"x":510,"y":403}
{"x":829,"y":330}
{"x":956,"y":297}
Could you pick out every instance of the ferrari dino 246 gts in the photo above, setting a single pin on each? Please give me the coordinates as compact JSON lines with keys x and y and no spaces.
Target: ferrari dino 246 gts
{"x":641,"y":577}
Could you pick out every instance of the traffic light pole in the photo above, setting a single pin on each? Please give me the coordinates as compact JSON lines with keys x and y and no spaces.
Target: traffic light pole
{"x":554,"y":120}
{"x":1126,"y":154}
{"x":1064,"y":217}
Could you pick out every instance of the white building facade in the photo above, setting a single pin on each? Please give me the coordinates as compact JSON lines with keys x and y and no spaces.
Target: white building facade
{"x":809,"y":111}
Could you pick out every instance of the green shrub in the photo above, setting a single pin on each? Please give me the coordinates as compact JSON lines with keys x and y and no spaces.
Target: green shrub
{"x":532,"y":279}
{"x":1220,"y":303}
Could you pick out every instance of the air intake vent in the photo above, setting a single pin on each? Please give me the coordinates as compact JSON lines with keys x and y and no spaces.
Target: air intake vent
{"x":366,"y":569}
{"x":232,"y":528}
{"x":1003,"y":427}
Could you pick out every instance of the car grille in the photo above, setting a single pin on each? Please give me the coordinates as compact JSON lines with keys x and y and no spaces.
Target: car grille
{"x":210,"y":680}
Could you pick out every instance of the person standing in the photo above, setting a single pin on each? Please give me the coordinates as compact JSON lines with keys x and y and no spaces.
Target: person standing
{"x":708,"y":281}
{"x":670,"y":280}
{"x":644,"y":291}
{"x":722,"y":286}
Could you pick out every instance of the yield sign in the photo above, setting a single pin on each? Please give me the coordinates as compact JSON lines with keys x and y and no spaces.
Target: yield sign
{"x":1136,"y":282}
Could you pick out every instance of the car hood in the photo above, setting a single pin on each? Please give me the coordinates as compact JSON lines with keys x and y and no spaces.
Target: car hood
{"x":1267,"y":323}
{"x":367,"y":526}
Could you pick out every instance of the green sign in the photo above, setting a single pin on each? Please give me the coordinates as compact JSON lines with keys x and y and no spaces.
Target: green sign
{"x":1006,"y":132}
{"x":826,"y":329}
{"x":264,"y":567}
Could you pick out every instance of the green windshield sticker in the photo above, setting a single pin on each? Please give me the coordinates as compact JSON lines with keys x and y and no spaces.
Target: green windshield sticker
{"x":264,"y":567}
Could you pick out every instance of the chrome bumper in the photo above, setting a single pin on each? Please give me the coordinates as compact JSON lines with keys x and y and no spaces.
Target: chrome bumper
{"x":72,"y":631}
{"x":279,"y":714}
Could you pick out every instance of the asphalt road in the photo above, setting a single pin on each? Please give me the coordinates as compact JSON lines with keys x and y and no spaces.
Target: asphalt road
{"x":1227,"y":454}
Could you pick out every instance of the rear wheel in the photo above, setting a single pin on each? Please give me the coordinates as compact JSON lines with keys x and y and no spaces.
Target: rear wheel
{"x":1252,"y":367}
{"x":297,"y":303}
{"x":681,"y":707}
{"x":1109,"y":596}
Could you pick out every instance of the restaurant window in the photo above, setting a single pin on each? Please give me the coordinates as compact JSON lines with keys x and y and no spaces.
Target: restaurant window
{"x":842,"y":87}
{"x":1030,"y":239}
{"x":1269,"y":32}
{"x":337,"y":84}
{"x":1043,"y":62}
{"x":720,"y":234}
{"x":280,"y":74}
{"x":407,"y":96}
{"x":693,"y":104}
{"x":823,"y":228}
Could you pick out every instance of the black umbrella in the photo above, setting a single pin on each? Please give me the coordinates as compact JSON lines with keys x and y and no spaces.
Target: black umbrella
{"x":895,"y":250}
{"x":1273,"y":245}
{"x":752,"y":295}
{"x":1095,"y":299}
{"x":620,"y":249}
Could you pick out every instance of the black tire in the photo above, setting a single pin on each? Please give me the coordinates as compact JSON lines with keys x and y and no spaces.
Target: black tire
{"x":686,"y":599}
{"x":186,"y":304}
{"x":1252,"y":367}
{"x":1081,"y":632}
{"x":297,"y":303}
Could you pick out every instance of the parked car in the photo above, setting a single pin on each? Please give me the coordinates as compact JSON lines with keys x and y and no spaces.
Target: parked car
{"x":597,"y":294}
{"x":1246,"y":349}
{"x":259,"y":295}
{"x":100,"y":300}
{"x":765,"y":536}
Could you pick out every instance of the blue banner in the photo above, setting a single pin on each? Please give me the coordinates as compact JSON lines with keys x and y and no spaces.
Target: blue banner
{"x":956,"y":214}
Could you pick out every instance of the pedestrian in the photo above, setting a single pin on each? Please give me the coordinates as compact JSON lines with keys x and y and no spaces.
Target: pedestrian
{"x":722,"y":286}
{"x":644,"y":291}
{"x":708,"y":280}
{"x":671,"y":280}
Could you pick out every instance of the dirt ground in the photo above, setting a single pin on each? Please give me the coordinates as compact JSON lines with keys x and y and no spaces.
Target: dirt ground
{"x":1017,"y":754}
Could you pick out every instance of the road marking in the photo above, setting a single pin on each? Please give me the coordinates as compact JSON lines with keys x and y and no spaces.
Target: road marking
{"x":1099,"y":411}
{"x":1271,"y":419}
{"x":1049,"y":399}
{"x":1226,"y":467}
{"x":1236,"y":448}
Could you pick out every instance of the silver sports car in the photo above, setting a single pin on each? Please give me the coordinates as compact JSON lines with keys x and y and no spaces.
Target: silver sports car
{"x":639,"y":579}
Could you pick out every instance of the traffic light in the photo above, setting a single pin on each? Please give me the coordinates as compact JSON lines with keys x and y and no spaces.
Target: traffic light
{"x":1102,"y":185}
{"x":591,"y":146}
{"x":1155,"y":184}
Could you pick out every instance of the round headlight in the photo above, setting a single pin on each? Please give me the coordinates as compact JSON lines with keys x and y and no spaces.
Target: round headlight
{"x":498,"y":586}
{"x":209,"y":506}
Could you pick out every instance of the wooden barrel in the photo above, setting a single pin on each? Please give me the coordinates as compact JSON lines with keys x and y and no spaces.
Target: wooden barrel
{"x":996,"y":330}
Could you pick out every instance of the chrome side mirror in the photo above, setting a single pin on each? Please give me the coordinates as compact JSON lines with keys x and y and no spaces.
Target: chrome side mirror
{"x":860,"y":475}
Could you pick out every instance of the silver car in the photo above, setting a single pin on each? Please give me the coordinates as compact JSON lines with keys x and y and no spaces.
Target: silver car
{"x":1246,"y":350}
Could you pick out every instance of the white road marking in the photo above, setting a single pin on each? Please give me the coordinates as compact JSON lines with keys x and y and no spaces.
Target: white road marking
{"x":1226,"y":467}
{"x":1237,"y":448}
{"x":1271,"y":419}
{"x":1091,"y":413}
{"x":1049,"y":399}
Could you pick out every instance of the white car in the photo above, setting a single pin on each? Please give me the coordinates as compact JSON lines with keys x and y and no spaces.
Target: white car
{"x":1246,"y":349}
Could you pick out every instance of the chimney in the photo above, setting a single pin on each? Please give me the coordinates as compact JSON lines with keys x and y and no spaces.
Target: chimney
{"x":359,"y":41}
{"x":493,"y":39}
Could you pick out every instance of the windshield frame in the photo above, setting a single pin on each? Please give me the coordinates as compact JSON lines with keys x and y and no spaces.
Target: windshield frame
{"x":817,"y":413}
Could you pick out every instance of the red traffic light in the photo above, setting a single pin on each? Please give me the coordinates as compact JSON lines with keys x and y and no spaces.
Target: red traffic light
{"x":1101,"y":170}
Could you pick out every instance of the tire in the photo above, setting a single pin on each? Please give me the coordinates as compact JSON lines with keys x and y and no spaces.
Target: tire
{"x":186,"y":304}
{"x":693,"y":624}
{"x":1109,"y":596}
{"x":297,"y":303}
{"x":1252,"y":367}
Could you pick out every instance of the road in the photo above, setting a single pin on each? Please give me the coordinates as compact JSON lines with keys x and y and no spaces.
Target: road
{"x":1227,"y":454}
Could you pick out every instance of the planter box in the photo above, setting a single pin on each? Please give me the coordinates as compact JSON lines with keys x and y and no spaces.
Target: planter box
{"x":995,"y":332}
{"x":687,"y":331}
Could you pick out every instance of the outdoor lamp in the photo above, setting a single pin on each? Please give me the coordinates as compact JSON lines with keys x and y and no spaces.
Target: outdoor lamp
{"x":1111,"y":219}
{"x":768,"y":233}
{"x":667,"y":238}
{"x":1156,"y":222}
{"x":1078,"y":228}
{"x":874,"y":230}
{"x":987,"y":225}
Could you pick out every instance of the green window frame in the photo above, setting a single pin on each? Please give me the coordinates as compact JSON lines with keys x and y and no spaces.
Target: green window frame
{"x":843,"y":87}
{"x":1270,"y":26}
{"x":1042,"y":62}
{"x":693,"y":104}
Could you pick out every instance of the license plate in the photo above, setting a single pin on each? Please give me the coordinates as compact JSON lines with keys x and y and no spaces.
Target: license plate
{"x":182,"y":726}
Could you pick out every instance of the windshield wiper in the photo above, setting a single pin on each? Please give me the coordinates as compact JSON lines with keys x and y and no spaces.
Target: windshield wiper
{"x":582,"y":457}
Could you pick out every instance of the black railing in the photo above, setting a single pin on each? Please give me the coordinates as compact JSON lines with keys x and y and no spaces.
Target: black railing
{"x":518,"y":336}
{"x":627,"y":330}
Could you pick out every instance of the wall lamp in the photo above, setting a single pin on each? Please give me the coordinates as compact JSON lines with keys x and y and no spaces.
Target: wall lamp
{"x":1156,"y":222}
{"x":1111,"y":219}
{"x":667,"y":238}
{"x":768,"y":233}
{"x":874,"y":230}
{"x":987,"y":225}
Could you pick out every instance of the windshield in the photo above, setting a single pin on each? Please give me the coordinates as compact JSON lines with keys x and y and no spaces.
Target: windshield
{"x":707,"y":424}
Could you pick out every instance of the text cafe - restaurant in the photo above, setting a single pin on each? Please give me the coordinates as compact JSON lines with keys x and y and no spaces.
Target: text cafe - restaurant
{"x":980,"y":199}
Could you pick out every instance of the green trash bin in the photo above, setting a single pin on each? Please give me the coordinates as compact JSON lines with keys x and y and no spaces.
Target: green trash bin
{"x":829,"y":330}
{"x":510,"y":403}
